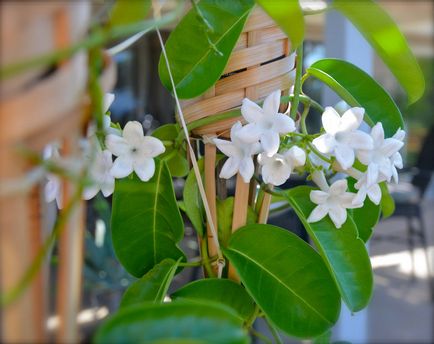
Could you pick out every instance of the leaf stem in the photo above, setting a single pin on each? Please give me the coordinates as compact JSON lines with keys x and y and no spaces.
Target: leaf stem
{"x":297,"y":85}
{"x":303,"y":118}
{"x":260,"y":336}
{"x":273,"y":331}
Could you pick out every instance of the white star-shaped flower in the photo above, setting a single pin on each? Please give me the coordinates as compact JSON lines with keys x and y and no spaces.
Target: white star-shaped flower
{"x":277,"y":169}
{"x":333,"y":201}
{"x":265,"y":124}
{"x":239,"y":153}
{"x":373,"y":191}
{"x":378,"y":159}
{"x":99,"y":174}
{"x":134,"y":151}
{"x":396,"y":159}
{"x":106,"y":120}
{"x":53,"y":187}
{"x":341,"y":136}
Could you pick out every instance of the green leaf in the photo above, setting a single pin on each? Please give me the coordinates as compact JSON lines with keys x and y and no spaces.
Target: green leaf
{"x":357,"y":88}
{"x":342,"y":250}
{"x":286,"y":278}
{"x":152,"y":286}
{"x":195,"y":64}
{"x":175,"y":322}
{"x":175,"y":157}
{"x":129,"y":12}
{"x":387,"y":202}
{"x":223,"y":291}
{"x":146,"y":222}
{"x":366,"y":217}
{"x":387,"y":40}
{"x":193,"y":202}
{"x":289,"y":16}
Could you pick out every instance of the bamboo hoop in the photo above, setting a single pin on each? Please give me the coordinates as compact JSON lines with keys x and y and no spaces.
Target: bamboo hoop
{"x":259,"y":64}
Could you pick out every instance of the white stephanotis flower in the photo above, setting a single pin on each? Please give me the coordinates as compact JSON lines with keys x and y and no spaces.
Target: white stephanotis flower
{"x":265,"y":124}
{"x":239,"y":153}
{"x":333,"y":200}
{"x":99,"y":174}
{"x":378,"y":159}
{"x":53,"y":187}
{"x":341,"y":136}
{"x":396,"y":159}
{"x":373,"y":191}
{"x":277,"y":169}
{"x":106,"y":120}
{"x":134,"y":151}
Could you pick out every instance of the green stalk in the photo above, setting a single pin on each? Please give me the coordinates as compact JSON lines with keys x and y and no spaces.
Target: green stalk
{"x":274,"y":332}
{"x":297,"y":85}
{"x":303,"y":119}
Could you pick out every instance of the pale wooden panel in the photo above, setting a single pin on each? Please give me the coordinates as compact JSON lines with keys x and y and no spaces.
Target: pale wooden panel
{"x":242,"y":42}
{"x":258,"y":19}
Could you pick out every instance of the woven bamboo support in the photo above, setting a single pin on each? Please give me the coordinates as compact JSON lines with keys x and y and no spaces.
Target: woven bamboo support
{"x":259,"y":64}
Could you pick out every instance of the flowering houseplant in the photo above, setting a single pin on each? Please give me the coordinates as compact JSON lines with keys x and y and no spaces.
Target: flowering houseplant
{"x":275,"y":274}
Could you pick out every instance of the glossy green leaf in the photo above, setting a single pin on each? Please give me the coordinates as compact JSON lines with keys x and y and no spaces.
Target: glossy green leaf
{"x":289,"y":16}
{"x":146,"y":222}
{"x":193,"y":202}
{"x":175,"y":157}
{"x":129,"y":12}
{"x":387,"y":40}
{"x":366,"y":217}
{"x":387,"y":202}
{"x":357,"y":88}
{"x":222,"y":291}
{"x":198,"y":48}
{"x":175,"y":322}
{"x":286,"y":278}
{"x":152,"y":286}
{"x":342,"y":250}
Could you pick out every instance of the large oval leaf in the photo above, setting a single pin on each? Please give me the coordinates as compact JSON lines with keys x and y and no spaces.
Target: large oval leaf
{"x":175,"y":322}
{"x":195,"y":64}
{"x":387,"y":40}
{"x":343,"y":252}
{"x":289,"y":16}
{"x":219,"y":290}
{"x":287,"y":279}
{"x":357,"y":88}
{"x":146,"y":223}
{"x":152,"y":286}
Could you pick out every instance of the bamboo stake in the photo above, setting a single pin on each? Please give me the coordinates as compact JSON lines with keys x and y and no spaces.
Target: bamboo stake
{"x":240,"y":214}
{"x":264,"y":210}
{"x":210,"y":191}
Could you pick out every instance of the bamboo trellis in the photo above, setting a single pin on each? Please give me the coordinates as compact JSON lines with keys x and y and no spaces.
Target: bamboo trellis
{"x":259,"y":64}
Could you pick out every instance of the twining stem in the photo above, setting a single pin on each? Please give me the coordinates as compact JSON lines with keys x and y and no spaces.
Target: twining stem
{"x":297,"y":85}
{"x":260,"y":336}
{"x":200,"y":262}
{"x":274,"y":332}
{"x":303,"y":118}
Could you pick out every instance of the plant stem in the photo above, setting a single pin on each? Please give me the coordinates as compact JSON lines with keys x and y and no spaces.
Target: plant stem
{"x":198,"y":262}
{"x":318,"y":153}
{"x":260,"y":336}
{"x":297,"y":85}
{"x":303,"y":118}
{"x":205,"y":257}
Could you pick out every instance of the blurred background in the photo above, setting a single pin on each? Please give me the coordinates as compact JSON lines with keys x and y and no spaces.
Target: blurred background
{"x":402,"y":247}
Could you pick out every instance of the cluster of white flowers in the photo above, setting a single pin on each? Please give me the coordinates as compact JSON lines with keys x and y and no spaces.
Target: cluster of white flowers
{"x":335,"y":150}
{"x":133,"y":151}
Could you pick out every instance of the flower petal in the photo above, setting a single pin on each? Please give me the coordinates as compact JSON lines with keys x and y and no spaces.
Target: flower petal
{"x":338,"y":187}
{"x":372,"y":174}
{"x":360,"y":140}
{"x":52,"y":188}
{"x":117,"y":145}
{"x":90,"y":192}
{"x":108,"y":100}
{"x":399,"y":135}
{"x":230,"y":168}
{"x":108,"y":186}
{"x":227,"y":147}
{"x":331,"y":120}
{"x":251,"y":111}
{"x":145,"y":169}
{"x":347,"y":201}
{"x":318,"y":213}
{"x":272,"y":103}
{"x":338,"y":215}
{"x":318,"y":196}
{"x":247,"y":169}
{"x":319,"y":179}
{"x":283,"y":124}
{"x":351,"y":119}
{"x":344,"y":155}
{"x":325,"y":143}
{"x":275,"y":175}
{"x":377,"y":133}
{"x":122,"y":167}
{"x":374,"y":194}
{"x":391,"y":146}
{"x":360,"y":197}
{"x":295,"y":156}
{"x":270,"y":141}
{"x":249,"y":133}
{"x":152,"y":146}
{"x":133,"y":133}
